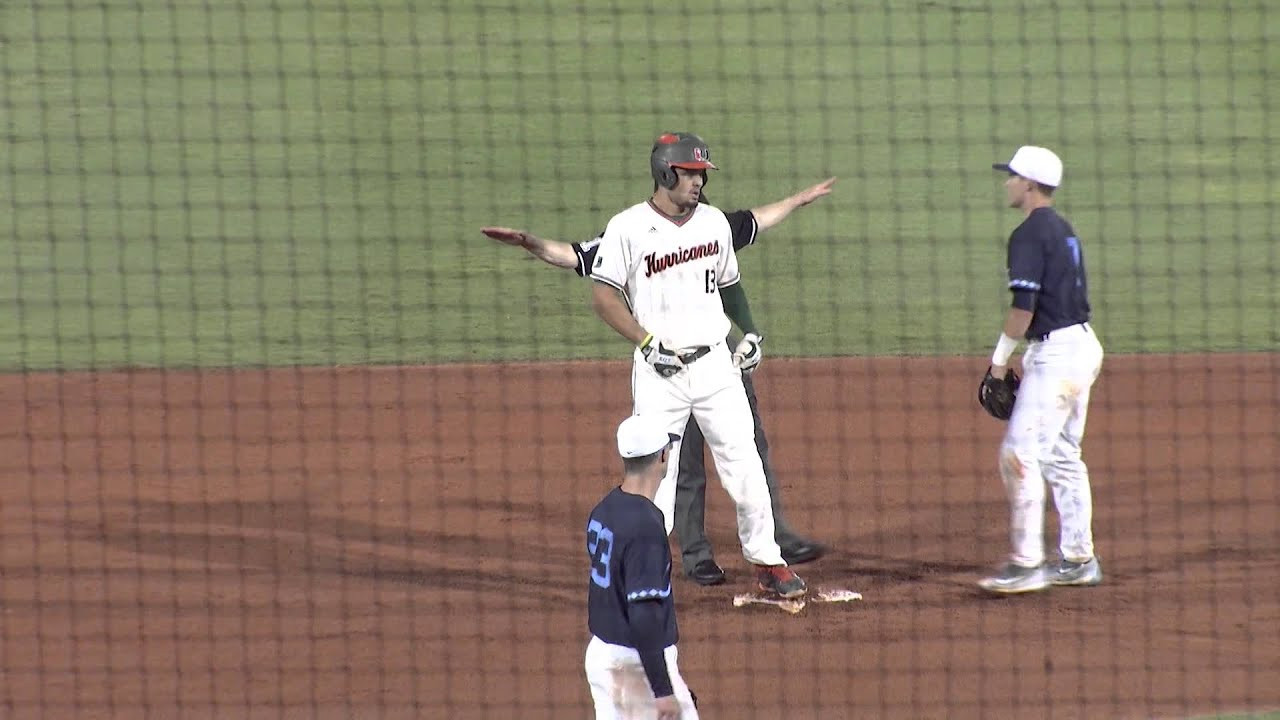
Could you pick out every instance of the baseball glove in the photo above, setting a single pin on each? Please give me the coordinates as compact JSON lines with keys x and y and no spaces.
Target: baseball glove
{"x":997,"y":395}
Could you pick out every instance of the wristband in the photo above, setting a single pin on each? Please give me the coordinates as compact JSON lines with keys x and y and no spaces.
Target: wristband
{"x":1004,"y":348}
{"x":647,"y":339}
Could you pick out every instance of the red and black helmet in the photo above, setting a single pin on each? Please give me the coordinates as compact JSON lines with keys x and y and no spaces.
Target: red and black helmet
{"x":678,"y":150}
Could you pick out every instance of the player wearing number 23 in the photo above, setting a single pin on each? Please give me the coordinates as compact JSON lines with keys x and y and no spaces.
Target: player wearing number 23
{"x":1048,"y":407}
{"x":631,"y":660}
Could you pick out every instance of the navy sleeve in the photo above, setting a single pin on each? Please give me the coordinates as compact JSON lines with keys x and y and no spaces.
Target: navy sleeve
{"x":1026,"y":269}
{"x":742,"y":226}
{"x":646,"y":622}
{"x":586,"y":252}
{"x":647,"y":568}
{"x":647,"y":583}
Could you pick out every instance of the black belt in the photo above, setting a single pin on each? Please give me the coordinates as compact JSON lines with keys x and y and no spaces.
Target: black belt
{"x":1045,"y":335}
{"x":688,"y":355}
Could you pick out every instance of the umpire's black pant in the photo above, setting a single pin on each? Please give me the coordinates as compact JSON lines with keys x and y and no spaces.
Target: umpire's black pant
{"x":691,"y":490}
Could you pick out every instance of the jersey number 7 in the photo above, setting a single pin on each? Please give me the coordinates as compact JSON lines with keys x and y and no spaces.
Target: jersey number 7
{"x":599,"y":546}
{"x":1073,"y":244}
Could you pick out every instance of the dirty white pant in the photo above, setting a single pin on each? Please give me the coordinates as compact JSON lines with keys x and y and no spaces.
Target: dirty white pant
{"x":619,"y":688}
{"x":1042,"y":444}
{"x":710,"y":389}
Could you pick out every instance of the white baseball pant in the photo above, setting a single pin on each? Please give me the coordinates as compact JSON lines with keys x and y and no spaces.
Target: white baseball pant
{"x":710,"y":388}
{"x":620,"y":689}
{"x":1042,"y":443}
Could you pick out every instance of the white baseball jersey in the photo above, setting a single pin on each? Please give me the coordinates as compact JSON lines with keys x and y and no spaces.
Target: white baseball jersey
{"x":671,"y":271}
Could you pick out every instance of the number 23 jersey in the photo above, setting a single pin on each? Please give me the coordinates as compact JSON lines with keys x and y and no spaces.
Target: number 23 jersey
{"x":630,"y":563}
{"x":672,"y":269}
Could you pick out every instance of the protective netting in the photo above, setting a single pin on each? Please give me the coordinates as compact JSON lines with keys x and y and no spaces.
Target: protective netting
{"x":288,"y":437}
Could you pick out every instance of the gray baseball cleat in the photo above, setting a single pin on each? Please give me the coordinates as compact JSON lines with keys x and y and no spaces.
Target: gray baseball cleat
{"x":1078,"y":574}
{"x":1013,"y":579}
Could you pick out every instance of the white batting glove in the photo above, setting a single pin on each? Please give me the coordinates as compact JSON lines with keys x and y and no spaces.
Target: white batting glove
{"x":747,"y":356}
{"x":663,"y":360}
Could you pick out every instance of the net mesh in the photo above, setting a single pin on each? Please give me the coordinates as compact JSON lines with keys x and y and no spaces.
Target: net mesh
{"x":288,"y":437}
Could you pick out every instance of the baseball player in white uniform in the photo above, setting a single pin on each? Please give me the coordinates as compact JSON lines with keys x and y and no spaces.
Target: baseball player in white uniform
{"x":660,"y":271}
{"x":1050,"y":309}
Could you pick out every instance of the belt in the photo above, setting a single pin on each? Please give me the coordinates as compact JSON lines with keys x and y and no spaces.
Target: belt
{"x":688,"y":355}
{"x":1045,"y":335}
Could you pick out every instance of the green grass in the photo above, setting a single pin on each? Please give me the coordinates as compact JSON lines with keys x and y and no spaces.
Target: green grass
{"x":217,"y":183}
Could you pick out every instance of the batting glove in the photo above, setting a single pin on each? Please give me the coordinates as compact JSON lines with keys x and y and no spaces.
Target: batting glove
{"x":663,"y":360}
{"x":747,"y":356}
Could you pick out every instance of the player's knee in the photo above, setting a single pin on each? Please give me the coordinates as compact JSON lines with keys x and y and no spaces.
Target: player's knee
{"x":1061,"y":470}
{"x":1065,"y":455}
{"x":740,"y":451}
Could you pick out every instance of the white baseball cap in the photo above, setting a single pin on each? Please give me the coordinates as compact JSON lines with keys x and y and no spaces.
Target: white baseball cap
{"x":643,"y":435}
{"x":1035,"y":163}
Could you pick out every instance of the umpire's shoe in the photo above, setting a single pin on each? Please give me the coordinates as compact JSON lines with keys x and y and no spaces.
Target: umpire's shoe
{"x":779,"y":579}
{"x":803,"y":551}
{"x":706,"y":572}
{"x":1013,"y":579}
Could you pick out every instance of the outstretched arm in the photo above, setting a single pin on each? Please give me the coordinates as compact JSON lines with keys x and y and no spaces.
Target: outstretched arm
{"x":769,"y":215}
{"x":552,"y":252}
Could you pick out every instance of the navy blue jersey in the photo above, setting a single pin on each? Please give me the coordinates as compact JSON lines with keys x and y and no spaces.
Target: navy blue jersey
{"x":1046,"y":272}
{"x":630,"y":563}
{"x":742,"y":224}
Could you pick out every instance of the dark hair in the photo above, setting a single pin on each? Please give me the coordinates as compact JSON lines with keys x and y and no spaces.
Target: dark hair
{"x":1046,"y":190}
{"x":636,"y":465}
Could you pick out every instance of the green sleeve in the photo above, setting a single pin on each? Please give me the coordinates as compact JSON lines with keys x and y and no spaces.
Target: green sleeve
{"x":734,"y":299}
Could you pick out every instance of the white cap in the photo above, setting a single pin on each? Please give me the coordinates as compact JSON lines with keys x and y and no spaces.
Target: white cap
{"x":643,"y":435}
{"x":1035,"y":163}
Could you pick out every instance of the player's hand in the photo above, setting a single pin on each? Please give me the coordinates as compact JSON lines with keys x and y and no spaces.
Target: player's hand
{"x":808,"y":195}
{"x":668,"y":708}
{"x":747,"y":356}
{"x":510,"y":236}
{"x":664,"y":361}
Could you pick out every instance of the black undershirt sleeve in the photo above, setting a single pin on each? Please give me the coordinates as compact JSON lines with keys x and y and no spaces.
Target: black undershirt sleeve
{"x":742,"y":227}
{"x":1026,"y":267}
{"x":646,"y":635}
{"x":1025,"y":300}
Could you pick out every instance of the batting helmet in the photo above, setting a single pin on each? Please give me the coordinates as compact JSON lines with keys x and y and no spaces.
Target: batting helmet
{"x":678,"y":150}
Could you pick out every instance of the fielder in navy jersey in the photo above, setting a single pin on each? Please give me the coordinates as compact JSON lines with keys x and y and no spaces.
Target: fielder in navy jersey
{"x":690,"y":504}
{"x":1050,"y":310}
{"x":631,"y":659}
